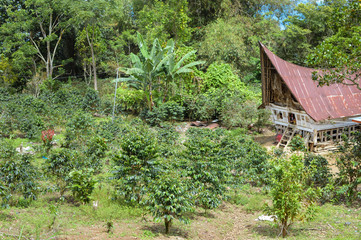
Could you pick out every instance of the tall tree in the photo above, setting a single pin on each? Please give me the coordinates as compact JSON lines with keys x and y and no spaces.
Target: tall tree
{"x":310,"y":24}
{"x":90,"y":16}
{"x":339,"y":55}
{"x":164,"y":20}
{"x":42,"y":23}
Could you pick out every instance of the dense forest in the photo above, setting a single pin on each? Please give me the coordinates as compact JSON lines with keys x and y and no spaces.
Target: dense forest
{"x":96,"y":100}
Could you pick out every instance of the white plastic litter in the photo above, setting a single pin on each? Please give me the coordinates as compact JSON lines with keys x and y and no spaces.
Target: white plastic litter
{"x":271,"y":218}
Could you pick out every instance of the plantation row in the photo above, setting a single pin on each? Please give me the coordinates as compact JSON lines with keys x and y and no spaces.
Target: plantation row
{"x":166,"y":172}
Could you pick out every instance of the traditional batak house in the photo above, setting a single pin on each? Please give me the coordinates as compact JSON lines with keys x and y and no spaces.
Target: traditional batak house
{"x":299,"y":106}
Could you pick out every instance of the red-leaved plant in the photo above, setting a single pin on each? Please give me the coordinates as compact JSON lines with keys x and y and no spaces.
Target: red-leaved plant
{"x":47,"y":137}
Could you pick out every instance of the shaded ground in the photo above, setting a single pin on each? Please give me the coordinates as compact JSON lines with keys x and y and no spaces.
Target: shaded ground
{"x":267,"y":138}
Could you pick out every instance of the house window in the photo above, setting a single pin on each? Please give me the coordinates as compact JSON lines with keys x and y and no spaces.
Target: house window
{"x":292,"y":118}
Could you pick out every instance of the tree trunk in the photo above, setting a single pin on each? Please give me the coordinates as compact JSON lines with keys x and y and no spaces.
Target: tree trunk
{"x":94,"y":65}
{"x":168,"y":224}
{"x":284,"y":229}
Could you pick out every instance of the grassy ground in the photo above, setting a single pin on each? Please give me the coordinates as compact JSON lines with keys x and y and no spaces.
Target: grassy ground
{"x":49,"y":218}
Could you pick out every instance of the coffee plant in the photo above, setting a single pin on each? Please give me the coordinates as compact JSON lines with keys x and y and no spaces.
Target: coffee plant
{"x":136,"y":164}
{"x":169,"y":198}
{"x":20,"y":176}
{"x":82,"y":184}
{"x":58,"y":166}
{"x":292,"y":199}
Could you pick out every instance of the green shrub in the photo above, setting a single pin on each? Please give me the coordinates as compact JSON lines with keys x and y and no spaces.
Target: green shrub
{"x":349,"y":165}
{"x":169,"y":198}
{"x":136,"y":164}
{"x":7,"y":150}
{"x":108,"y":130}
{"x":82,"y":184}
{"x":202,"y":107}
{"x":247,"y":159}
{"x":95,"y":151}
{"x":292,"y":199}
{"x":130,"y":99}
{"x":19,"y":175}
{"x":91,"y":100}
{"x":318,"y":166}
{"x":206,"y":168}
{"x":297,"y":143}
{"x":58,"y":166}
{"x":154,"y":117}
{"x":173,"y":111}
{"x":78,"y":128}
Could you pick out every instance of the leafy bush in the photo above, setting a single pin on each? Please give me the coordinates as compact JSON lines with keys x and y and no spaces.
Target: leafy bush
{"x":19,"y":175}
{"x":108,"y":129}
{"x":292,"y":199}
{"x":206,"y":168}
{"x":78,"y":128}
{"x":7,"y":151}
{"x":154,"y":117}
{"x":130,"y":99}
{"x":349,"y":165}
{"x":202,"y":107}
{"x":169,"y":111}
{"x":167,"y":138}
{"x":82,"y":184}
{"x":297,"y":143}
{"x":59,"y":164}
{"x":169,"y":198}
{"x":136,"y":164}
{"x":318,"y":167}
{"x":95,"y":150}
{"x":91,"y":100}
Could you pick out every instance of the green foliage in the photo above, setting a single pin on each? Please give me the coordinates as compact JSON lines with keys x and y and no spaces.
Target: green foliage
{"x":7,"y":74}
{"x":203,"y":106}
{"x":305,"y":30}
{"x":319,"y":168}
{"x":7,"y":151}
{"x":130,"y":99}
{"x":154,"y":63}
{"x":233,"y":40}
{"x":349,"y":165}
{"x":91,"y":100}
{"x":168,"y":111}
{"x":164,"y":20}
{"x":136,"y":164}
{"x":220,"y":75}
{"x":95,"y":151}
{"x":108,"y":130}
{"x":339,"y":54}
{"x":235,"y":113}
{"x":292,"y":199}
{"x":297,"y":143}
{"x":19,"y":176}
{"x":169,"y":198}
{"x":58,"y":166}
{"x":82,"y":184}
{"x":248,"y":161}
{"x":206,"y":168}
{"x":78,"y":127}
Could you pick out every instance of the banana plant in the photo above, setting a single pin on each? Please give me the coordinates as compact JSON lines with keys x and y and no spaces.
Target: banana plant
{"x":173,"y":69}
{"x":152,"y":64}
{"x":146,"y":69}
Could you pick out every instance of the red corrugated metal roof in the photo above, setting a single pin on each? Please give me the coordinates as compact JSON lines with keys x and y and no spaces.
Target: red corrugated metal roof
{"x":327,"y":102}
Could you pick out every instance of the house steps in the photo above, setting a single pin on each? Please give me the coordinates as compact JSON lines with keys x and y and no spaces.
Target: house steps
{"x":287,"y":137}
